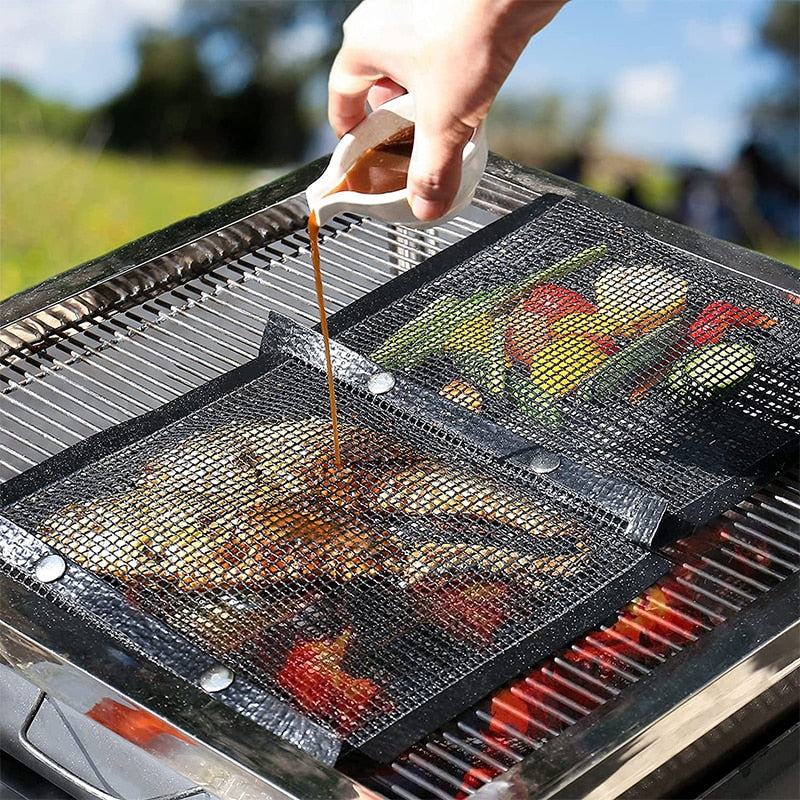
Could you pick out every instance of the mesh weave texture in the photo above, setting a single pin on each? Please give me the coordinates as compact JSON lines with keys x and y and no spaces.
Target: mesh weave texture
{"x":596,"y":341}
{"x":355,"y":594}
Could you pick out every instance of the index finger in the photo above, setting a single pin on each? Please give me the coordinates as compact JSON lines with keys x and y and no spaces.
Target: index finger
{"x":347,"y":95}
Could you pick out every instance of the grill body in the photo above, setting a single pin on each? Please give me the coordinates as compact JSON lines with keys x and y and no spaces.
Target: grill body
{"x":80,"y":348}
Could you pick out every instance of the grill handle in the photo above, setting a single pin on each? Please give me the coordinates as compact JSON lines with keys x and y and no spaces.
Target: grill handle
{"x":70,"y":778}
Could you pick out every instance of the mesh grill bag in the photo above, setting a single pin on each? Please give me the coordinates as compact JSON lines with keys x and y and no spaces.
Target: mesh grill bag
{"x":597,"y":341}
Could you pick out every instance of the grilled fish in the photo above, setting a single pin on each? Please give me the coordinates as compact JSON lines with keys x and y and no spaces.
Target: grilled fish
{"x":423,"y":561}
{"x":193,"y":544}
{"x":263,"y":501}
{"x":379,"y":474}
{"x":218,"y":461}
{"x":109,"y":535}
{"x":228,"y":621}
{"x":429,"y":488}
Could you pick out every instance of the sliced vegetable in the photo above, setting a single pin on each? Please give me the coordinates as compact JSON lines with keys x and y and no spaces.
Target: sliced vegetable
{"x":711,"y":369}
{"x":401,"y":346}
{"x":314,"y":676}
{"x":471,"y":336}
{"x":659,"y":371}
{"x":486,"y":369}
{"x":630,"y":364}
{"x":471,"y":611}
{"x":554,"y":302}
{"x":639,"y":298}
{"x":527,"y":332}
{"x":564,"y":267}
{"x":717,"y":317}
{"x":430,"y":331}
{"x":533,"y":401}
{"x":479,"y":371}
{"x":592,"y":325}
{"x":463,"y":393}
{"x":432,"y":334}
{"x":559,"y":367}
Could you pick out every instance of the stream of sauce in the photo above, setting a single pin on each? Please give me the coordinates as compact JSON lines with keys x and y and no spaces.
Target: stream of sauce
{"x":313,"y":235}
{"x":381,"y":169}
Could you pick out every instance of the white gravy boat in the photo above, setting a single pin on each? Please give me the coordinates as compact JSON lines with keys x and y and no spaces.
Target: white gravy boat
{"x":380,"y":125}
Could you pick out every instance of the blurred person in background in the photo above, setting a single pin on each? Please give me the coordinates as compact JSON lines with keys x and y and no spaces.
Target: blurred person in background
{"x":765,"y":199}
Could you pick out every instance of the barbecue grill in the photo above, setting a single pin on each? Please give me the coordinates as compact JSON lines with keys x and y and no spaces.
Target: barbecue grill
{"x":597,"y":605}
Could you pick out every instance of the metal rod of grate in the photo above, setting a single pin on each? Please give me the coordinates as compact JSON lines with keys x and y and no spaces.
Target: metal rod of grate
{"x":113,"y":366}
{"x":717,"y":571}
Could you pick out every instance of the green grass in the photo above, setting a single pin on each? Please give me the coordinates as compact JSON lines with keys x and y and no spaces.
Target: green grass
{"x":63,"y":205}
{"x":788,"y":253}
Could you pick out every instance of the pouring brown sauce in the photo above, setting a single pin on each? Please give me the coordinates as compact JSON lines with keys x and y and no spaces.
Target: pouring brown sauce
{"x":313,"y":235}
{"x":381,"y":169}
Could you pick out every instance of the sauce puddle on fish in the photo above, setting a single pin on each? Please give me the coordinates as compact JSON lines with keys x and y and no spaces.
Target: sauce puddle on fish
{"x":381,"y":169}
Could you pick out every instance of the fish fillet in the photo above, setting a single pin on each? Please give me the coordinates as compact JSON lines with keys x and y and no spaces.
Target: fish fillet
{"x":378,"y":473}
{"x":422,"y":561}
{"x":195,"y":545}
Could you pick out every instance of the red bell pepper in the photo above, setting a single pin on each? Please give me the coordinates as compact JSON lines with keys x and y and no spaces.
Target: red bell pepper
{"x":314,"y":676}
{"x":470,"y":611}
{"x":715,"y":319}
{"x":554,"y":302}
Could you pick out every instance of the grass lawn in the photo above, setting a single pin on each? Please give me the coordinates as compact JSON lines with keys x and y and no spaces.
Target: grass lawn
{"x":64,"y":205}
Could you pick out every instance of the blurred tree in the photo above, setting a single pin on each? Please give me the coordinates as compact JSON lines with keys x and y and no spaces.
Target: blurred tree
{"x":763,"y":184}
{"x":592,"y":126}
{"x":228,"y":83}
{"x":775,"y":117}
{"x":24,"y":114}
{"x":164,"y":108}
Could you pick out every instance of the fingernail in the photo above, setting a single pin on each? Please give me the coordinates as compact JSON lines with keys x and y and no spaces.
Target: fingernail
{"x":427,"y":210}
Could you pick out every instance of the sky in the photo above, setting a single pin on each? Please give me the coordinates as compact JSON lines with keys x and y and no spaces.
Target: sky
{"x":680,"y":73}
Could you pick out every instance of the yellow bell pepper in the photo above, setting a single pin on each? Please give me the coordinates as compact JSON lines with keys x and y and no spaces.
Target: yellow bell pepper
{"x":471,"y":336}
{"x":558,"y":367}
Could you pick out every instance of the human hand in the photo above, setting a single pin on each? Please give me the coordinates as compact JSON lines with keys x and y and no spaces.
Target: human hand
{"x":453,"y":55}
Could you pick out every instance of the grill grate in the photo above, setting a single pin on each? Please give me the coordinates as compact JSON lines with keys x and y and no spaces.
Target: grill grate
{"x":717,"y":572}
{"x":111,"y":355}
{"x":96,"y":369}
{"x":594,"y":340}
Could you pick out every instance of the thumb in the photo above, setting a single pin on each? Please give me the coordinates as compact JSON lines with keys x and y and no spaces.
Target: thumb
{"x":434,"y":174}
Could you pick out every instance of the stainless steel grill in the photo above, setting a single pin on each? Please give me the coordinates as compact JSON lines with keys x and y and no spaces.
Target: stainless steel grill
{"x":108,"y":343}
{"x":83,"y":365}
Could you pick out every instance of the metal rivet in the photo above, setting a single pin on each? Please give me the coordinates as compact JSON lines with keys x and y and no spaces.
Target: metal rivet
{"x":50,"y":568}
{"x":543,"y":462}
{"x":380,"y":382}
{"x":216,"y":678}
